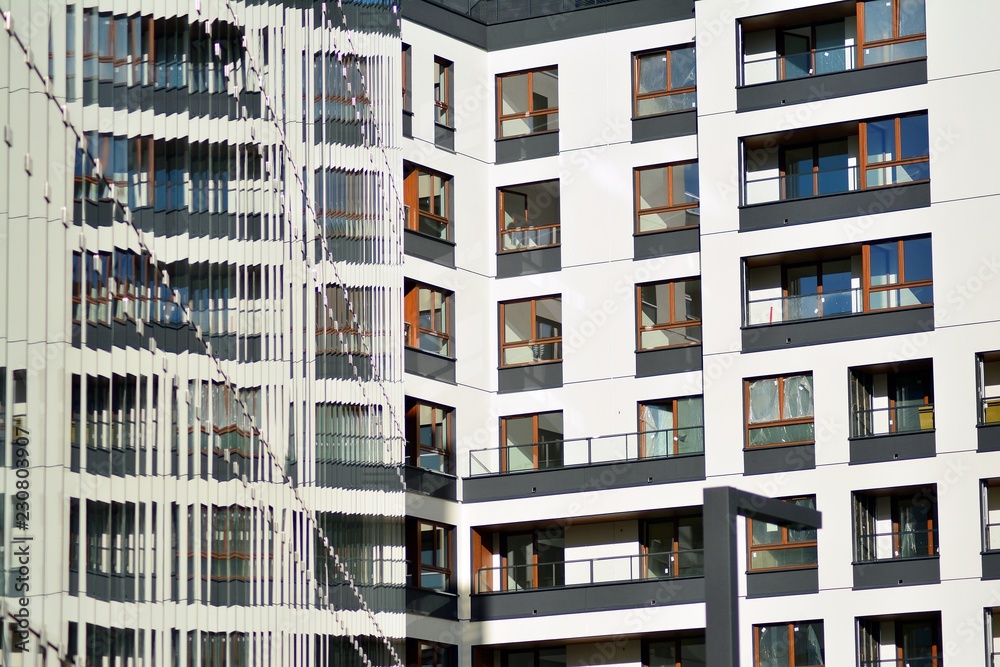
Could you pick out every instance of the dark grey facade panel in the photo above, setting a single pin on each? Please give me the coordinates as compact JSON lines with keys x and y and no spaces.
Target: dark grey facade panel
{"x":408,"y":124}
{"x":528,"y":378}
{"x":444,"y":137}
{"x":668,"y":360}
{"x":666,"y":243}
{"x":583,"y":478}
{"x":425,"y":364}
{"x":763,"y":460}
{"x":429,"y":248}
{"x":527,"y":147}
{"x":892,"y":447}
{"x":529,"y":262}
{"x":665,"y":126}
{"x":427,"y":602}
{"x":854,"y":204}
{"x":988,"y":436}
{"x":893,"y":573}
{"x":430,"y":483}
{"x":835,"y":329}
{"x":830,"y":86}
{"x":782,"y":582}
{"x":991,"y":565}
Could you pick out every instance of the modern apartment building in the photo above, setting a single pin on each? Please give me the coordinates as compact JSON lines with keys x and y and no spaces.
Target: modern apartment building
{"x":201,"y":399}
{"x":659,"y":246}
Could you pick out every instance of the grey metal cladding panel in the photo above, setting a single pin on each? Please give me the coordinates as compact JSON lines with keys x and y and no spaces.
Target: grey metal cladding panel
{"x":433,"y":366}
{"x":576,"y":599}
{"x":991,"y":565}
{"x":989,"y":437}
{"x":431,"y":603}
{"x":663,"y":244}
{"x":528,"y":378}
{"x":444,"y":137}
{"x":583,"y":478}
{"x":782,"y":582}
{"x":429,"y":248}
{"x":893,"y":573}
{"x":829,"y":86}
{"x":835,"y":207}
{"x":759,"y":461}
{"x":437,"y":18}
{"x":592,"y":21}
{"x":430,"y":483}
{"x":528,"y":147}
{"x":892,"y":447}
{"x":408,"y":124}
{"x":665,"y":126}
{"x":668,"y":360}
{"x":529,"y":262}
{"x":835,"y":329}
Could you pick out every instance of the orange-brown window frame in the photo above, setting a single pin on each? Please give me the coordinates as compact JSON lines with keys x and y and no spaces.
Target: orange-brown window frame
{"x":672,"y":402}
{"x":790,"y":627}
{"x":868,"y":289}
{"x":407,"y":65}
{"x":504,"y":459}
{"x":781,"y":408}
{"x":865,"y":165}
{"x":668,"y":54}
{"x":557,"y":340}
{"x":411,"y":302}
{"x":443,"y":69}
{"x":671,"y":206}
{"x":501,"y":208}
{"x":779,"y":546}
{"x":895,"y":39}
{"x":675,"y":321}
{"x":442,"y":439}
{"x":447,"y":569}
{"x":531,"y":112}
{"x":411,"y":199}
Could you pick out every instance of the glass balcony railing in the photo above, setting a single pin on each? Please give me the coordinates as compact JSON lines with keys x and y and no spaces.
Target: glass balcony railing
{"x":993,"y":537}
{"x":991,"y":410}
{"x":800,"y":65}
{"x":895,"y":545}
{"x":800,"y":186}
{"x":587,"y":451}
{"x":589,"y":571}
{"x":804,"y":306}
{"x":897,"y":419}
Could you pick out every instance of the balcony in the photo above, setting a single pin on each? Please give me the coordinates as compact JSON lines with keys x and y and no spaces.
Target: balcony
{"x":988,"y":425}
{"x":892,"y":412}
{"x":568,"y":466}
{"x":896,"y":538}
{"x":819,"y":53}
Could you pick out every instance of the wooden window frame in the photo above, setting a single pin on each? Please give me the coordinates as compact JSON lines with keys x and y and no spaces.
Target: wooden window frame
{"x":672,"y":402}
{"x":407,"y":73}
{"x":781,"y":408}
{"x":420,"y":567}
{"x":506,"y":535}
{"x":504,"y":345}
{"x":411,"y":199}
{"x":413,"y":426}
{"x":443,"y":93}
{"x":784,"y":545}
{"x":674,"y":322}
{"x":790,"y":627}
{"x":895,"y":39}
{"x":931,"y":525}
{"x":501,"y":207}
{"x":936,"y":659}
{"x":678,"y":643}
{"x":668,"y":54}
{"x":675,"y":565}
{"x":815,"y":170}
{"x":531,"y":112}
{"x":866,"y":277}
{"x":671,"y":206}
{"x":413,"y":330}
{"x":865,"y":165}
{"x":534,"y":444}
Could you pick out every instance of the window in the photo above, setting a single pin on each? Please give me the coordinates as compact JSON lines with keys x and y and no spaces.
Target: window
{"x":429,"y":435}
{"x":527,"y":102}
{"x":428,"y":319}
{"x":893,"y":30}
{"x":988,"y":372}
{"x":788,"y":644}
{"x":779,"y":410}
{"x":664,"y":81}
{"x":532,"y":442}
{"x":673,"y":547}
{"x":894,"y":398}
{"x":774,"y":547}
{"x":531,"y":331}
{"x":671,"y":427}
{"x":669,"y":314}
{"x":897,"y":150}
{"x":532,"y":559}
{"x":230,"y":548}
{"x":554,"y":656}
{"x":679,"y":652}
{"x":433,"y":570}
{"x":427,"y":196}
{"x":991,"y":514}
{"x":407,"y":62}
{"x":899,"y":273}
{"x":912,"y":640}
{"x":666,"y":197}
{"x":443,"y":92}
{"x":898,"y":524}
{"x":529,"y":216}
{"x":421,"y":653}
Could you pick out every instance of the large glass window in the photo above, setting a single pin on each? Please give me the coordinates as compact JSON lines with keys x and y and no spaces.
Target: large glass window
{"x":429,"y":434}
{"x":897,"y":150}
{"x":532,"y":442}
{"x":988,"y":372}
{"x":673,"y":547}
{"x":669,"y":314}
{"x":443,"y":114}
{"x":896,"y":524}
{"x":527,"y":102}
{"x":664,"y":81}
{"x":893,"y":30}
{"x":913,"y":640}
{"x":899,"y":273}
{"x":679,"y":652}
{"x":529,"y":216}
{"x":531,"y":331}
{"x":666,"y":197}
{"x":533,"y":559}
{"x":892,"y":398}
{"x":789,"y":644}
{"x":428,"y":319}
{"x":775,"y":547}
{"x":407,"y":76}
{"x":671,"y":427}
{"x":779,"y":410}
{"x":433,"y":567}
{"x":427,"y":195}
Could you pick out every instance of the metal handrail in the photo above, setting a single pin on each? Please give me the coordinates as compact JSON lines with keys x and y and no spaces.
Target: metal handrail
{"x":813,"y":59}
{"x":490,"y":12}
{"x":873,"y":537}
{"x":791,"y":314}
{"x":489,"y":460}
{"x":859,"y":429}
